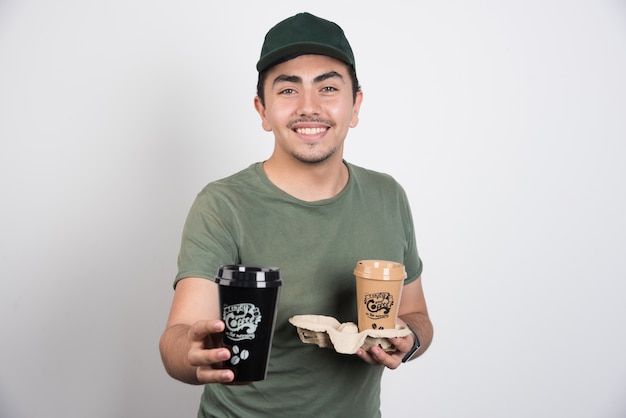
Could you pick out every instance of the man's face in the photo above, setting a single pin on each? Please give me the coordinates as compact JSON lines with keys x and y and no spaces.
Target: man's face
{"x":309,"y":106}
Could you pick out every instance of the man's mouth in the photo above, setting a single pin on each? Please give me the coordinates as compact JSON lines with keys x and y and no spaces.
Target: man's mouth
{"x":311,"y":131}
{"x":310,"y":126}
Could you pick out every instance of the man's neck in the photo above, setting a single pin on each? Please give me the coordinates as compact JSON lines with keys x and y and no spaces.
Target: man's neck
{"x":308,"y":182}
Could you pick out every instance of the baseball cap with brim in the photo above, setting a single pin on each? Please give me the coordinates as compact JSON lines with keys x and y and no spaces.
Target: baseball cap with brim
{"x":302,"y":34}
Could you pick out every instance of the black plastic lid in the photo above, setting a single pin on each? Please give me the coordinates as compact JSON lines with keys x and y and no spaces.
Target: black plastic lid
{"x":239,"y":275}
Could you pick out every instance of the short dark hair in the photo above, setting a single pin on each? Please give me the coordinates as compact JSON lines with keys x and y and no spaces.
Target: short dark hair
{"x":260,"y":87}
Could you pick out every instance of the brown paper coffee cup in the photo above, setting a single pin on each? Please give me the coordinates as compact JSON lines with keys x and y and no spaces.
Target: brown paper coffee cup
{"x":378,"y":291}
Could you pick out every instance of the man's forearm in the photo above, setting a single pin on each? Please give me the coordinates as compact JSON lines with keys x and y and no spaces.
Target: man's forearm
{"x":174,"y":347}
{"x":423,"y":327}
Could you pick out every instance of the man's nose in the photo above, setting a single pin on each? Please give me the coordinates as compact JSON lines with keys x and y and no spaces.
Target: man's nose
{"x":309,"y":103}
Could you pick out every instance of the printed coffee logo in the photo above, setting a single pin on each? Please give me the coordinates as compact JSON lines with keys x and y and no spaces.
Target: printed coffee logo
{"x":239,"y":355}
{"x":242,"y":320}
{"x":378,"y":304}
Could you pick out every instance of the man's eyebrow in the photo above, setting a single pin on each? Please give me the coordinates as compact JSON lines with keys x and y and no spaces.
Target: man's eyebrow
{"x":326,"y":76}
{"x":284,"y":78}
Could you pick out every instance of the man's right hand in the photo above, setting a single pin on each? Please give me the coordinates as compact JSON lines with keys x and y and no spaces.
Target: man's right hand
{"x":205,"y":353}
{"x":191,"y":344}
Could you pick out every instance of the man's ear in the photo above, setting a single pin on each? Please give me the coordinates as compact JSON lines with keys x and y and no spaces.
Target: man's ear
{"x":355,"y":109}
{"x":260,"y":108}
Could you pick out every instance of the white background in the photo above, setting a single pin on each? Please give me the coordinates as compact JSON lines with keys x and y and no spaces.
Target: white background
{"x":504,"y":120}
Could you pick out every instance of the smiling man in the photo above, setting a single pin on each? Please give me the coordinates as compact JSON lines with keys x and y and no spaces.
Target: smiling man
{"x":311,"y":213}
{"x":309,"y":106}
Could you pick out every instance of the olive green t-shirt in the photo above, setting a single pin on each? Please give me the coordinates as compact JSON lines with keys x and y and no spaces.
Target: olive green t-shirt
{"x":245,"y":219}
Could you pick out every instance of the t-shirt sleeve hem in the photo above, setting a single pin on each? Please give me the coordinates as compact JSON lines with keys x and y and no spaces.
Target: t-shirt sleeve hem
{"x":201,"y":275}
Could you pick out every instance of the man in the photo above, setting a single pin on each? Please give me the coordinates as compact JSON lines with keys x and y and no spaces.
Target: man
{"x":310,"y":213}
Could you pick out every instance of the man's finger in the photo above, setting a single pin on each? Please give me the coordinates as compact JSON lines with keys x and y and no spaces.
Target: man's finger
{"x":200,"y":329}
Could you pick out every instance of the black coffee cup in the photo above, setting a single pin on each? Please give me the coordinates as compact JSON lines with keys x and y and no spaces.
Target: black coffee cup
{"x":248,"y":301}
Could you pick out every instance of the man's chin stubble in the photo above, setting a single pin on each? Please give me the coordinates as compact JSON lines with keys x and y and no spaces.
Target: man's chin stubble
{"x":314,"y":159}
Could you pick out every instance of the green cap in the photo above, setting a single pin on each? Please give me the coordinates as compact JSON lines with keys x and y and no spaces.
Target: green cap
{"x":304,"y":34}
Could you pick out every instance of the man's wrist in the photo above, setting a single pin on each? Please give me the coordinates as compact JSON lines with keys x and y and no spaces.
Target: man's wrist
{"x":416,"y":346}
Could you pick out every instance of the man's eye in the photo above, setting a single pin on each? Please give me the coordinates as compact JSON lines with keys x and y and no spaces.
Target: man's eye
{"x":287,"y":91}
{"x":329,"y":89}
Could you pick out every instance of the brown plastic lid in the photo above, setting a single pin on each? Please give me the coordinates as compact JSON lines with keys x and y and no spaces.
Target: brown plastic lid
{"x":380,"y":270}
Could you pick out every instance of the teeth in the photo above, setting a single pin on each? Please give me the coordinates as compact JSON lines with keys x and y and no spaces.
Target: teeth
{"x":310,"y":131}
